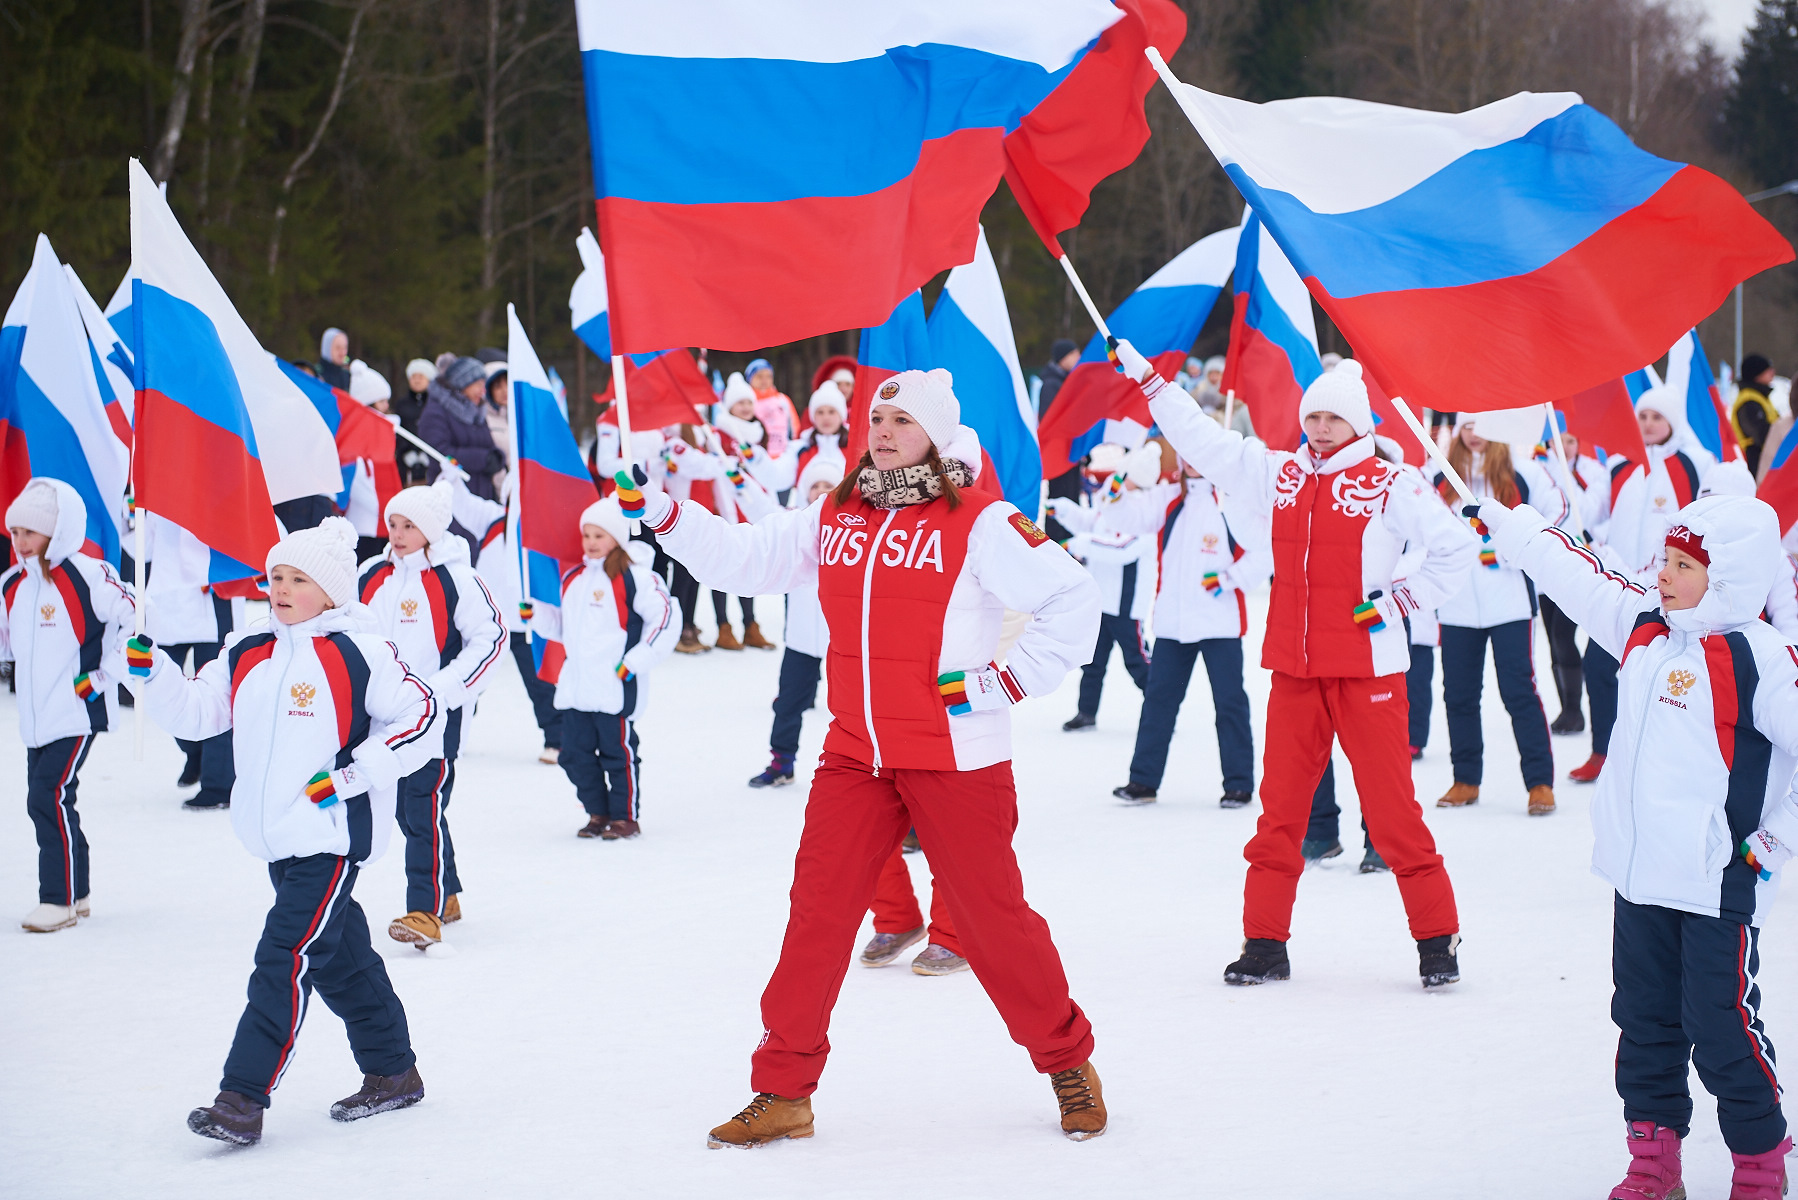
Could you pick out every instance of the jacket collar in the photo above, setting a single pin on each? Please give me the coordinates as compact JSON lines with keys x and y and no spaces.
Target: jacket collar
{"x":1357,"y":451}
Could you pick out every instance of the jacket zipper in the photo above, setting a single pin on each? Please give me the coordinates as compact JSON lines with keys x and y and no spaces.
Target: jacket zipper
{"x":1629,"y":871}
{"x":37,"y":598}
{"x":274,"y":729}
{"x":867,"y":672}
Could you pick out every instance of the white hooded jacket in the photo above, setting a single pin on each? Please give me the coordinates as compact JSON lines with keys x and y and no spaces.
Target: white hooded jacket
{"x":604,"y":623}
{"x":75,"y":620}
{"x":453,"y":650}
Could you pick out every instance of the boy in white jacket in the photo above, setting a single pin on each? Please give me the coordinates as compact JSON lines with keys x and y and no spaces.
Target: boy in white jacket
{"x":423,"y":594}
{"x":616,"y":621}
{"x":1693,"y":818}
{"x":328,"y":721}
{"x":66,"y":618}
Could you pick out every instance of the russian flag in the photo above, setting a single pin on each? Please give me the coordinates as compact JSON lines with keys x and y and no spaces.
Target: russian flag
{"x":1603,"y":418}
{"x":899,"y":343}
{"x":1162,"y":319}
{"x":1462,"y":254}
{"x":969,"y":331}
{"x":587,"y":300}
{"x":1273,"y":337}
{"x":1689,"y":374}
{"x":52,"y":417}
{"x":553,"y":487}
{"x":365,"y":450}
{"x":664,"y":389}
{"x":111,"y":361}
{"x":1779,"y":486}
{"x":800,"y":143}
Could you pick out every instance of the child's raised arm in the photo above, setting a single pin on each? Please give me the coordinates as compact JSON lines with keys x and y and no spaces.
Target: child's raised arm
{"x":1602,"y":602}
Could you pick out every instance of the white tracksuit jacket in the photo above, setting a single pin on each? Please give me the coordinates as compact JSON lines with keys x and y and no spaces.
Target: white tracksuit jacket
{"x":454,"y":651}
{"x":497,"y":562}
{"x":56,"y":628}
{"x":1112,"y":535}
{"x":1493,"y":595}
{"x":593,"y":625}
{"x":1638,"y":506}
{"x":1707,"y":724}
{"x":1197,"y":532}
{"x":288,"y":694}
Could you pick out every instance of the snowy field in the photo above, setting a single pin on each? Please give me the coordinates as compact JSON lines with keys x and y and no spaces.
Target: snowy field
{"x":597,"y":1009}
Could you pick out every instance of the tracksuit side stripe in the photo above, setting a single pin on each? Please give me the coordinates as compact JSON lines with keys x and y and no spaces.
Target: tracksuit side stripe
{"x":301,"y":963}
{"x":499,"y":642}
{"x":630,"y":766}
{"x":437,"y":896}
{"x":1745,"y":983}
{"x":62,"y":814}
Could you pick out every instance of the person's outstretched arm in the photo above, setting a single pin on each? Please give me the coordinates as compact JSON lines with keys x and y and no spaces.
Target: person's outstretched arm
{"x":773,"y":556}
{"x":1602,"y":602}
{"x":1243,"y":468}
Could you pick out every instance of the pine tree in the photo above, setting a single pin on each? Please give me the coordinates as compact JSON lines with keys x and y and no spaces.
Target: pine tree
{"x":1761,"y":114}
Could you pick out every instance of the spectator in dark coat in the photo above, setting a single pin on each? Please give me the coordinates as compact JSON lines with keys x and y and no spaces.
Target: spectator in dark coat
{"x":414,"y":463}
{"x":1064,"y":356}
{"x":334,"y":358}
{"x":454,"y":423}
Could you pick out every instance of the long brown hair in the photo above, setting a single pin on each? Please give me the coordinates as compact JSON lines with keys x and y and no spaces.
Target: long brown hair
{"x":1495,"y":467}
{"x":852,"y":480}
{"x":617,"y":561}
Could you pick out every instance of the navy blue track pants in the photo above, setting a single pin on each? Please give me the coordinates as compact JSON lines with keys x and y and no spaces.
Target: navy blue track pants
{"x":798,"y":692}
{"x":50,"y":779}
{"x":599,"y":756}
{"x":422,"y":808}
{"x":1170,"y":671}
{"x":1463,"y":678}
{"x":1127,"y":635}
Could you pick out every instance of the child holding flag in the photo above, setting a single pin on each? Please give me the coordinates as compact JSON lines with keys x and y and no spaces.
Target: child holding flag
{"x":66,"y":619}
{"x":616,"y":621}
{"x":423,"y":594}
{"x":328,"y":722}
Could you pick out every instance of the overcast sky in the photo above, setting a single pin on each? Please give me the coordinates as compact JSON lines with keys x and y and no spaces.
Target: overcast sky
{"x":1729,"y":20}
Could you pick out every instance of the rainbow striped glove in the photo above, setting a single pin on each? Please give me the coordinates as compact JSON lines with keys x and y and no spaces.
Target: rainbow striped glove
{"x":630,"y":497}
{"x":139,"y":658}
{"x":1488,"y":557}
{"x":1367,"y":616}
{"x":624,"y":673}
{"x":990,"y":686}
{"x":734,"y":475}
{"x":526,"y":610}
{"x":88,"y":685}
{"x":321,"y":789}
{"x":1765,"y":853}
{"x":1215,"y":586}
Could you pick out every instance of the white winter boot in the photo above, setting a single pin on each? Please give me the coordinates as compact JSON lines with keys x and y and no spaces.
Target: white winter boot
{"x":48,"y":918}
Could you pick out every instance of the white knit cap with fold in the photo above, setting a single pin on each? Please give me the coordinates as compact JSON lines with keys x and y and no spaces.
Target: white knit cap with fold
{"x":421,"y":366}
{"x":608,"y":516}
{"x":929,"y":396}
{"x":737,"y":388}
{"x":828,"y":395}
{"x":1342,"y":392}
{"x":1669,"y":403}
{"x":824,"y":468}
{"x":1142,"y":466}
{"x":426,"y":507}
{"x":326,"y":554}
{"x":34,"y":509}
{"x":367,"y":385}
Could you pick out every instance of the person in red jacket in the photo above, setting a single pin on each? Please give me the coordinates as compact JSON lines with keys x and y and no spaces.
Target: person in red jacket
{"x":915,"y":572}
{"x":1336,"y":644}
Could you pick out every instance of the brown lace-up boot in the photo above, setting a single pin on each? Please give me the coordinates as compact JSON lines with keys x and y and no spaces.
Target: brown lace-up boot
{"x":1542,"y":800}
{"x":1082,"y":1102}
{"x":752,"y":637}
{"x":727,"y":637}
{"x":767,"y":1119}
{"x":1459,"y":795}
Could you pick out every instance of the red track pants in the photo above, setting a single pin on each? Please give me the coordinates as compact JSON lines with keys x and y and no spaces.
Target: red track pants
{"x":1369,"y":717}
{"x":854,"y":822}
{"x":896,"y":905}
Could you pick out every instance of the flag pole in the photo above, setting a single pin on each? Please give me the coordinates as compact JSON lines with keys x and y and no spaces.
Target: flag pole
{"x":443,"y":460}
{"x":1567,"y":484}
{"x":625,"y":456}
{"x":1080,"y":289}
{"x":139,"y":578}
{"x":1434,"y":451}
{"x":1229,"y":406}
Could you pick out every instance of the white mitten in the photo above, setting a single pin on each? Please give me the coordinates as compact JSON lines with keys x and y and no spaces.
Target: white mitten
{"x":1134,"y":365}
{"x":983,"y":688}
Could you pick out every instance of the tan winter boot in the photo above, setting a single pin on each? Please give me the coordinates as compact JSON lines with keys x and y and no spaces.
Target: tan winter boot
{"x":767,"y":1119}
{"x":1082,"y":1102}
{"x":1459,"y":795}
{"x":421,"y":929}
{"x":752,"y":637}
{"x":452,"y":910}
{"x":727,"y":638}
{"x":689,"y":641}
{"x":1542,"y":800}
{"x":48,"y":918}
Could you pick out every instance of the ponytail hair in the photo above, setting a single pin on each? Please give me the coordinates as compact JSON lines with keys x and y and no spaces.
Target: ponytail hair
{"x":617,"y":561}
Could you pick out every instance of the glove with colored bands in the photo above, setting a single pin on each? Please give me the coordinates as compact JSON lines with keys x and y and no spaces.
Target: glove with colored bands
{"x":321,"y":790}
{"x":1215,"y":586}
{"x":138,"y":656}
{"x":624,"y":673}
{"x":85,"y":685}
{"x":735,"y":476}
{"x":988,"y":687}
{"x":1765,"y":853}
{"x":1367,"y":616}
{"x":1489,"y":558}
{"x":630,"y":497}
{"x":526,"y":610}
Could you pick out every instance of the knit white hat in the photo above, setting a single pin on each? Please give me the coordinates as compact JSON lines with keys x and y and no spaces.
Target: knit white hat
{"x":828,"y":395}
{"x":929,"y":396}
{"x":1106,"y":457}
{"x":327,"y":554}
{"x":366,"y":384}
{"x":737,"y":388}
{"x":35,"y":509}
{"x":1669,"y":404}
{"x":426,"y":507}
{"x":1342,"y":392}
{"x":608,"y":516}
{"x":824,"y":468}
{"x":420,"y":366}
{"x":1142,"y":466}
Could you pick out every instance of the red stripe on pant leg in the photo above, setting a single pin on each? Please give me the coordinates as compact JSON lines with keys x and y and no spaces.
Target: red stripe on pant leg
{"x":1754,"y":1043}
{"x":62,"y":822}
{"x":293,"y":985}
{"x":630,"y":766}
{"x":437,"y":838}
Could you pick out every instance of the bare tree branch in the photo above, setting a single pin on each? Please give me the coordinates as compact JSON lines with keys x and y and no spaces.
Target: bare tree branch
{"x":318,"y":133}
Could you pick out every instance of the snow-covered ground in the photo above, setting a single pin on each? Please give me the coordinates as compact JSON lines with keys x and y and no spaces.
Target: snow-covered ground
{"x":596,"y":1015}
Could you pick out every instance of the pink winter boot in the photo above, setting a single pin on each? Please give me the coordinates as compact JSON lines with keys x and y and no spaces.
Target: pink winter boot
{"x":1653,"y":1165}
{"x":1760,"y":1176}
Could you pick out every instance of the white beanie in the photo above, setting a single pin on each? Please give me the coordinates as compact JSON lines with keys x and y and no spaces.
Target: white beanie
{"x":35,"y":509}
{"x":929,"y":396}
{"x":366,"y":384}
{"x":1142,"y":466}
{"x":1728,"y":479}
{"x":1106,"y":457}
{"x":327,"y":554}
{"x":420,"y":366}
{"x":828,"y":395}
{"x":608,"y":516}
{"x":426,"y":507}
{"x":737,"y":388}
{"x":826,"y":468}
{"x":1669,"y":404}
{"x":1342,"y":392}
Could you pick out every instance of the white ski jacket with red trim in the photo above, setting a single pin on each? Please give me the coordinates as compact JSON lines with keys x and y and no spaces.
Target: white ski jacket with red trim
{"x":299,"y":699}
{"x":909,"y":594}
{"x":603,"y":622}
{"x":440,"y":614}
{"x":1707,"y":711}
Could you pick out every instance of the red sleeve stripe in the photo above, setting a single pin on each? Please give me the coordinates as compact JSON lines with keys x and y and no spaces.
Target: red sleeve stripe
{"x":440,"y":616}
{"x":668,"y":522}
{"x":1010,"y":683}
{"x":71,"y":600}
{"x":667,"y":608}
{"x":498,"y":642}
{"x":337,"y":679}
{"x":1719,"y":662}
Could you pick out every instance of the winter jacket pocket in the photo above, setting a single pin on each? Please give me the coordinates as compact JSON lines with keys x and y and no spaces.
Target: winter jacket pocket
{"x":1719,"y":846}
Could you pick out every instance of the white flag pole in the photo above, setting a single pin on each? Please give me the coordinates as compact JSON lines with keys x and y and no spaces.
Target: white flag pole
{"x":1567,"y":484}
{"x":1080,"y":289}
{"x":443,"y":460}
{"x":1229,"y":406}
{"x":625,"y":454}
{"x":1434,"y":451}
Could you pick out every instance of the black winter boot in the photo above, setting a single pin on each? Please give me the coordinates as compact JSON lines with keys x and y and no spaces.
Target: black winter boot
{"x":1263,"y":961}
{"x":380,"y":1093}
{"x":1436,"y":960}
{"x":1568,"y":681}
{"x":233,"y":1117}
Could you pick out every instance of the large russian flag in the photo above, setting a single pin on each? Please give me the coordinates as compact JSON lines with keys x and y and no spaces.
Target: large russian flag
{"x":587,"y":299}
{"x":1689,"y":374}
{"x":970,"y":334}
{"x":553,"y":486}
{"x":798,"y":144}
{"x":365,"y":450}
{"x":1527,"y":243}
{"x":899,"y":343}
{"x":1273,"y":337}
{"x":52,"y":416}
{"x":1162,"y":319}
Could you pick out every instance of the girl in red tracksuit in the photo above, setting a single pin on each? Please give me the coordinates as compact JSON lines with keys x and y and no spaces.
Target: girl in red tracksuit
{"x":914,"y":575}
{"x":1336,"y":645}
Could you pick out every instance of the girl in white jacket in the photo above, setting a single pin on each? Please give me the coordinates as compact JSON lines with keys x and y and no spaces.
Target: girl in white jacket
{"x":66,"y":618}
{"x":616,"y":621}
{"x":1694,"y":817}
{"x":327,"y":722}
{"x":424,"y":595}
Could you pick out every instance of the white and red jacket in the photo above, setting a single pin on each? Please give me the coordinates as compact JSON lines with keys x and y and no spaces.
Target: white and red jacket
{"x":1115,"y":538}
{"x":1707,"y":714}
{"x":1638,"y":507}
{"x":909,"y":594}
{"x":1337,"y":530}
{"x":299,"y":699}
{"x":440,"y":615}
{"x":72,"y":622}
{"x":1494,"y":594}
{"x":604,"y":622}
{"x":782,"y":471}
